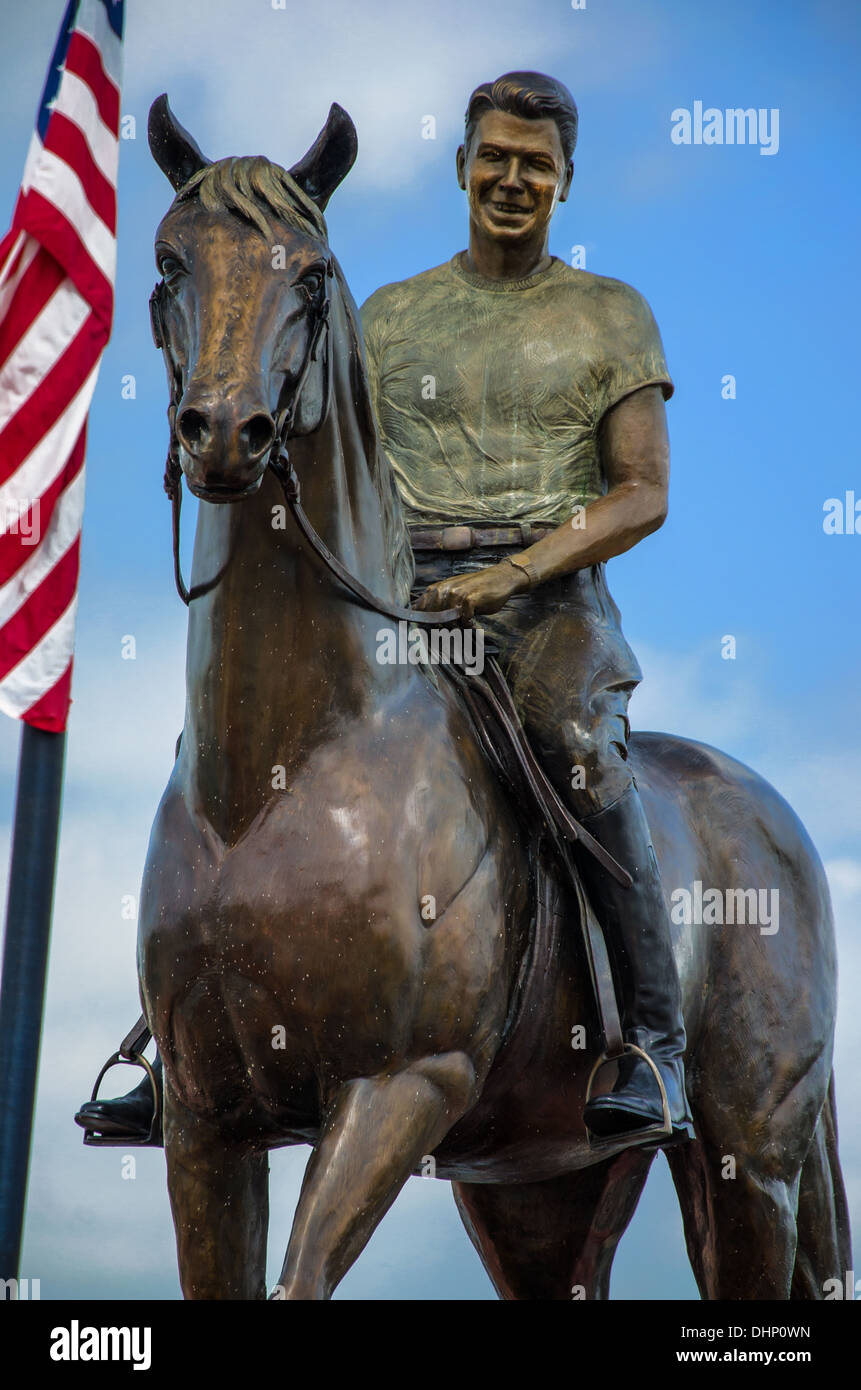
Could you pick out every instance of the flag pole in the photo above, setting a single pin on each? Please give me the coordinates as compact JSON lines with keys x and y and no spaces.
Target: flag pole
{"x":25,"y":962}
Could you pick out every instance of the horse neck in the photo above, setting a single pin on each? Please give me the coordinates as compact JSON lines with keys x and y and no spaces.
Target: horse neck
{"x":279,"y":659}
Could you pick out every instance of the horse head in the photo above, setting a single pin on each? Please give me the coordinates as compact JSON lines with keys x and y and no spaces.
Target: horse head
{"x":240,"y":380}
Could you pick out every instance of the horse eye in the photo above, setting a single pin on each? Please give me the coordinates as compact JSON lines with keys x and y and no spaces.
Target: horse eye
{"x":170,"y":268}
{"x":311,"y":283}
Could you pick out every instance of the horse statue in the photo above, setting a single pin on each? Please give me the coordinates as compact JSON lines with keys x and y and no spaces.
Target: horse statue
{"x":296,"y":988}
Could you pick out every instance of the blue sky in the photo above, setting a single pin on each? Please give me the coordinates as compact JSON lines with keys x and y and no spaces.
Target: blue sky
{"x":748,"y":261}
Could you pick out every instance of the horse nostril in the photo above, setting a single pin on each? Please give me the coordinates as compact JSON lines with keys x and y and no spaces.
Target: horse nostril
{"x":192,"y":426}
{"x":216,"y":431}
{"x":257,"y":434}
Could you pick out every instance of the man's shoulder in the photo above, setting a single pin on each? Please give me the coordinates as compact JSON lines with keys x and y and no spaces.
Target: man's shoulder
{"x":393,"y":298}
{"x":611,"y":307}
{"x":612,"y":295}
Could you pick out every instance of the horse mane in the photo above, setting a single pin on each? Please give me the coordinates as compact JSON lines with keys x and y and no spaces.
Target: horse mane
{"x":251,"y":186}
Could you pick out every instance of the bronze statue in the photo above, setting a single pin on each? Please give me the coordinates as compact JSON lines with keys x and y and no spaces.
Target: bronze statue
{"x":547,"y":411}
{"x":297,"y":989}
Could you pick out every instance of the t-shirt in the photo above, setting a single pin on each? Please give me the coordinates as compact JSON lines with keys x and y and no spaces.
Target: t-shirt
{"x":488,"y":394}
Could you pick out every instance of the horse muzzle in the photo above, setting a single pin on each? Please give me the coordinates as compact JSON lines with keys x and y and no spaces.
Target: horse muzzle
{"x":223,"y":449}
{"x":229,"y":492}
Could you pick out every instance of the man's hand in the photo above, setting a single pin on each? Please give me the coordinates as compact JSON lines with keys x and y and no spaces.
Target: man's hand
{"x":485,"y":591}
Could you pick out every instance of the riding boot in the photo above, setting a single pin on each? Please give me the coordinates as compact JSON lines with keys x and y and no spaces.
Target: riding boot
{"x":125,"y":1117}
{"x":636,"y":926}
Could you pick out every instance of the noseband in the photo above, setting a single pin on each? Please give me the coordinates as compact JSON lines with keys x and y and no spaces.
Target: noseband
{"x":279,"y":462}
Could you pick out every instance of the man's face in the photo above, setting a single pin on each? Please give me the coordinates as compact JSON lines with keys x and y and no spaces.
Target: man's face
{"x":514,"y":173}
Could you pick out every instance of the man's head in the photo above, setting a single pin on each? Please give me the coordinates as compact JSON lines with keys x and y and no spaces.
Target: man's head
{"x":516,"y":159}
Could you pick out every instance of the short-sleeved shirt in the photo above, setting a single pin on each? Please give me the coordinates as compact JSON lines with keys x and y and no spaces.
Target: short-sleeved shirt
{"x":488,"y":394}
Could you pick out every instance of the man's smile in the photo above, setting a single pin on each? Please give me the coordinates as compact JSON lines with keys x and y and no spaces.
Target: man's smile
{"x":508,"y":208}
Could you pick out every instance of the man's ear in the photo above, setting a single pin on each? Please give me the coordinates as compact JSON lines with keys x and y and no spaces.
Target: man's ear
{"x":461,"y":166}
{"x":566,"y":181}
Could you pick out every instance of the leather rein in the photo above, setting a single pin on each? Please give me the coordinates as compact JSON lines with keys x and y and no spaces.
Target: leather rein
{"x":279,"y":462}
{"x":493,"y":689}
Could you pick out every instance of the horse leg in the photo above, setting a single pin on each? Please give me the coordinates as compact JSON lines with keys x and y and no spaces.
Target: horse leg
{"x":219,"y":1196}
{"x":824,"y":1246}
{"x":556,"y":1239}
{"x":739,"y":1221}
{"x":375,"y":1134}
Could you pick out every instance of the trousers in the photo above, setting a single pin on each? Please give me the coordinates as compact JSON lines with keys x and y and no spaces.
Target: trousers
{"x":570,"y":671}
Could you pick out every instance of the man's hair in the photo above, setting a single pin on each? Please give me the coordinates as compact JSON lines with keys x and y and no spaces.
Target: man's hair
{"x":532,"y":95}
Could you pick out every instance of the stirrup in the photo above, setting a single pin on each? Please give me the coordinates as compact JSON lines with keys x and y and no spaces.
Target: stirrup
{"x":643,"y":1134}
{"x":130,"y":1054}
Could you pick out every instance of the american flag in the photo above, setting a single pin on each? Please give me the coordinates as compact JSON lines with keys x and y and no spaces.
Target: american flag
{"x":57,"y":266}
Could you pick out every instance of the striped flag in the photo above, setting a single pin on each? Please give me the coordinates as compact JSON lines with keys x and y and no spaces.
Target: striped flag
{"x":57,"y":267}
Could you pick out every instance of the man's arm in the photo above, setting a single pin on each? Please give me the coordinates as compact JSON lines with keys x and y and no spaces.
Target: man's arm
{"x":635,"y":457}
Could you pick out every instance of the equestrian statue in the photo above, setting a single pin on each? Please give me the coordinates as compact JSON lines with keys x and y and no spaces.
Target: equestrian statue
{"x":413,"y":914}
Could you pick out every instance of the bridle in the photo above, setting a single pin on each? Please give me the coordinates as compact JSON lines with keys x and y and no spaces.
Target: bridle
{"x":279,"y":463}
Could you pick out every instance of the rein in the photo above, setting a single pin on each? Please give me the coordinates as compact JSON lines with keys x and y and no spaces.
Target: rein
{"x":279,"y":462}
{"x":493,"y":691}
{"x":285,"y":473}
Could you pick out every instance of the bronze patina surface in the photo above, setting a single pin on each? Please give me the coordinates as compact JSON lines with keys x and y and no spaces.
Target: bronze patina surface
{"x":542,"y":391}
{"x":482,"y":413}
{"x":296,"y":992}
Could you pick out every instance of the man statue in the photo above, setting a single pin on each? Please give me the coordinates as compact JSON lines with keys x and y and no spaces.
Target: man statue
{"x":521,"y":403}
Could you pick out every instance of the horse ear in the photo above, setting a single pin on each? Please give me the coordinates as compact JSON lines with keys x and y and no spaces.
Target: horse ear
{"x":174,"y":151}
{"x":329,"y":159}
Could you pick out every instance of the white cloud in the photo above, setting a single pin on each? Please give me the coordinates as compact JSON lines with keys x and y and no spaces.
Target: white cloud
{"x":697,"y":695}
{"x":250,"y":79}
{"x":684,"y":692}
